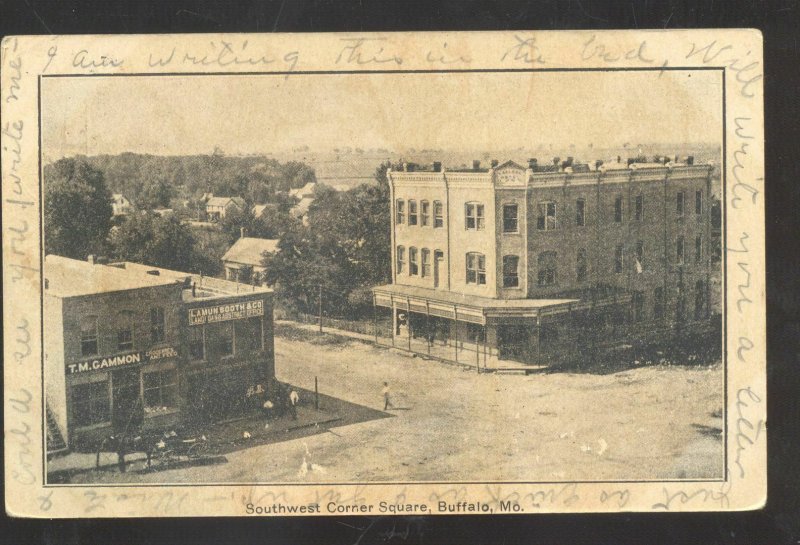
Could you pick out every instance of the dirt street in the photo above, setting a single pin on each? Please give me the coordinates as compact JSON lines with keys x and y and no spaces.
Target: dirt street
{"x":451,"y":424}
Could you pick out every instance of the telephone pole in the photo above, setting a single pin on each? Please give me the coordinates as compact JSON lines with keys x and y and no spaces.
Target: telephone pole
{"x":319,"y":306}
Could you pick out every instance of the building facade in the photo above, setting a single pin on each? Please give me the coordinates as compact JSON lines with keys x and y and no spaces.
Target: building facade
{"x":529,"y":265}
{"x":243,"y":260}
{"x":130,"y":346}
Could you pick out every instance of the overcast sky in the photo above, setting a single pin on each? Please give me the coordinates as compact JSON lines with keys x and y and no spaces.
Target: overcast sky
{"x":471,"y":111}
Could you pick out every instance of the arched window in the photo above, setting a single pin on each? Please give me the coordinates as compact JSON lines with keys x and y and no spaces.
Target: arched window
{"x":618,"y":210}
{"x":425,"y":213}
{"x":580,"y":212}
{"x":619,"y":259}
{"x":476,"y":268}
{"x":510,"y":271}
{"x":413,"y":266}
{"x":412,"y":212}
{"x":401,"y":259}
{"x":438,"y":214}
{"x":400,"y":215}
{"x":425,"y":254}
{"x":581,"y":267}
{"x":547,"y":268}
{"x":699,"y":299}
{"x":89,"y":336}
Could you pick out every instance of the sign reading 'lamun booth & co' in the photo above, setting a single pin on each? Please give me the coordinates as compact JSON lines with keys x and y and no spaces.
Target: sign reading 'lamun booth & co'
{"x":223,"y":313}
{"x":108,"y":362}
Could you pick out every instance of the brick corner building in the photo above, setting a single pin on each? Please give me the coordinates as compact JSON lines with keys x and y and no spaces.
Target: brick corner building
{"x":125,"y":339}
{"x":537,"y":265}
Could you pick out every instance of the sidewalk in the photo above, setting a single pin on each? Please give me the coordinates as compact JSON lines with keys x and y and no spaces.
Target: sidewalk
{"x":443,"y":354}
{"x":223,"y":438}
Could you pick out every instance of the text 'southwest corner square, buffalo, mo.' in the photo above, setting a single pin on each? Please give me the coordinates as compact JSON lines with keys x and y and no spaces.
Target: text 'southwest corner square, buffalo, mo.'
{"x":412,"y":273}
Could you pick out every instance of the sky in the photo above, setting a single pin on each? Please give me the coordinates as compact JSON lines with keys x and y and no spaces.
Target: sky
{"x":180,"y":115}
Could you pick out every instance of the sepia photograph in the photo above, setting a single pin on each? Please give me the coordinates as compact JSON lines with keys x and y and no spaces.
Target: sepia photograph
{"x":386,"y":277}
{"x":384,"y":273}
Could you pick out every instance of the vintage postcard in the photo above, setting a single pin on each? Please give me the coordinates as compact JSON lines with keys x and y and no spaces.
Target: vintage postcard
{"x":400,"y":273}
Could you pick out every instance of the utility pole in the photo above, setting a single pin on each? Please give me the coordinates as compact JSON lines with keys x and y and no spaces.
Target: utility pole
{"x":319,"y":305}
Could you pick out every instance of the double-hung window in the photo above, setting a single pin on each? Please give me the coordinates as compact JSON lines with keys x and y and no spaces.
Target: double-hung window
{"x":546,"y":218}
{"x":580,"y":212}
{"x":425,"y":213}
{"x":510,"y":218}
{"x":510,"y":271}
{"x":400,"y":211}
{"x":412,"y":212}
{"x":401,"y":259}
{"x":413,"y":265}
{"x":474,"y":216}
{"x":125,"y":331}
{"x":88,"y":335}
{"x":476,"y":268}
{"x":157,"y":325}
{"x":438,"y":214}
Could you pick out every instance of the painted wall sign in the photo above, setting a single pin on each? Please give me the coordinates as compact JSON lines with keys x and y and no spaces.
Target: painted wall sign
{"x":108,"y":362}
{"x":223,"y":313}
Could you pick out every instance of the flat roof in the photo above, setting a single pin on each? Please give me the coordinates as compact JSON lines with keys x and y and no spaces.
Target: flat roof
{"x":474,"y":301}
{"x":73,"y":277}
{"x":206,"y":287}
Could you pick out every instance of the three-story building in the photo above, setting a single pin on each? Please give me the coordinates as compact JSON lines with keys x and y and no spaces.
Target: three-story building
{"x":538,"y":265}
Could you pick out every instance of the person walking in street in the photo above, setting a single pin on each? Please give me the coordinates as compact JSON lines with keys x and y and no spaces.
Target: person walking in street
{"x":387,"y":402}
{"x":294,"y":399}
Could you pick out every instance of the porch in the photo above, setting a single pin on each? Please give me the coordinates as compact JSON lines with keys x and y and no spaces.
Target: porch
{"x":490,"y":334}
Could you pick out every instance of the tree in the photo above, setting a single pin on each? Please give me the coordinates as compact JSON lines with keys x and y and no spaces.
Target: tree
{"x":156,"y":193}
{"x":154,"y":240}
{"x":344,"y":249}
{"x":77,"y":209}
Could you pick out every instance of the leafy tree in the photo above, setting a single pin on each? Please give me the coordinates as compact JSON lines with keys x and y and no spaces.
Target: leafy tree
{"x":77,"y":209}
{"x":344,"y":249}
{"x":155,"y":194}
{"x":159,"y":241}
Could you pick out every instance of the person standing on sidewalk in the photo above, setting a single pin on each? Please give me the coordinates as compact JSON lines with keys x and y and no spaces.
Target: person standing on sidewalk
{"x":294,"y":399}
{"x":387,"y":402}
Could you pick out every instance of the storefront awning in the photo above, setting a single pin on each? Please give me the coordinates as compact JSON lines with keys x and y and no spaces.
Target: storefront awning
{"x":476,"y":309}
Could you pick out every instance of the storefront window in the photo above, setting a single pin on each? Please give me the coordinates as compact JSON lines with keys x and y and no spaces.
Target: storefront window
{"x":219,"y":339}
{"x":196,"y":345}
{"x":160,"y":390}
{"x":248,"y":335}
{"x":90,"y":403}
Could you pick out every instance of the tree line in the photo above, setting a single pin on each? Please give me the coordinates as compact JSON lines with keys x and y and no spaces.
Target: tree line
{"x":341,"y":250}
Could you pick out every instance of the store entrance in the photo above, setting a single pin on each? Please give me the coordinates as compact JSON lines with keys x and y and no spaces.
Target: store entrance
{"x":126,"y":401}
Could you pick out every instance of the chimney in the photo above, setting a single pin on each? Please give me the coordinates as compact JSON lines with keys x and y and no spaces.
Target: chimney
{"x":598,"y":164}
{"x":619,"y":158}
{"x":556,"y":161}
{"x":476,"y":165}
{"x":690,"y":160}
{"x":92,"y":259}
{"x":242,"y":232}
{"x":495,"y":162}
{"x":437,"y":166}
{"x":532,"y":163}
